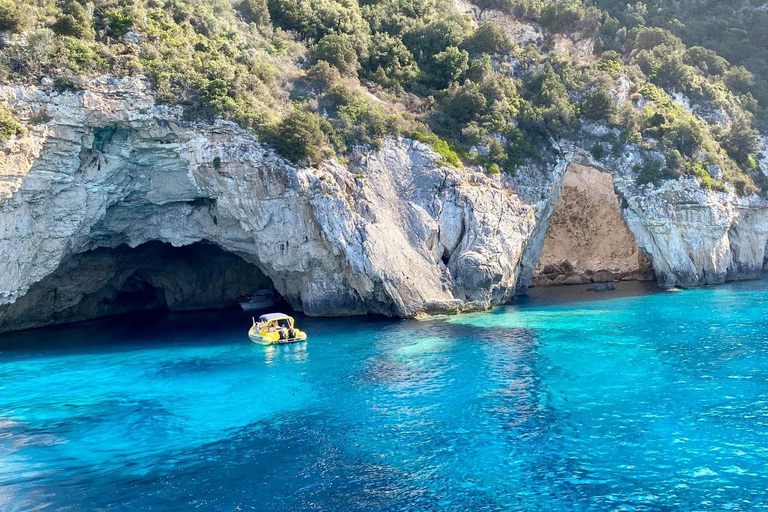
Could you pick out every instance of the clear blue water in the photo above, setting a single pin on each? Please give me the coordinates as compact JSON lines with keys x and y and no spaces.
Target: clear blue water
{"x":655,"y":402}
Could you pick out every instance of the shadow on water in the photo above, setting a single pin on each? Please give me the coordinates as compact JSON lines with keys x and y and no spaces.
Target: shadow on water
{"x":145,"y":330}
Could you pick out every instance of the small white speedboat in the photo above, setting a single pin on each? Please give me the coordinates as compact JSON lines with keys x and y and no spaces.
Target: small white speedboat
{"x":261,"y":299}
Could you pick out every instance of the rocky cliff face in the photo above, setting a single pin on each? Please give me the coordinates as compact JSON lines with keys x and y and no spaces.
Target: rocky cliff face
{"x":393,"y":232}
{"x":154,"y":275}
{"x":692,"y":236}
{"x":587,"y":239}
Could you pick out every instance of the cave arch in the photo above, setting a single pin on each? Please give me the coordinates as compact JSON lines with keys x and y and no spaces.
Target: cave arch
{"x":151,"y":276}
{"x":587,"y":238}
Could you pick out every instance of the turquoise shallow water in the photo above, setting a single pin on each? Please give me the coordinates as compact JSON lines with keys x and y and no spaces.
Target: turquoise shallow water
{"x":655,"y":402}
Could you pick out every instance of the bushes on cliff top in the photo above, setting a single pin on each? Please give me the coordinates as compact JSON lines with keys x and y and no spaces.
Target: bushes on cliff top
{"x":338,"y":51}
{"x":390,"y":66}
{"x":9,"y":126}
{"x":10,"y":15}
{"x":389,"y":63}
{"x":300,"y":137}
{"x":75,"y":20}
{"x":440,"y":146}
{"x":490,"y":38}
{"x":598,"y":106}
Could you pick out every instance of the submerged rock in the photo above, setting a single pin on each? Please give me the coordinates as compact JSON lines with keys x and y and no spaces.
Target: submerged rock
{"x":602,"y":287}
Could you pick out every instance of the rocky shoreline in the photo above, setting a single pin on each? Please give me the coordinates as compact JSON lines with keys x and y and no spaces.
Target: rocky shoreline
{"x":395,"y":232}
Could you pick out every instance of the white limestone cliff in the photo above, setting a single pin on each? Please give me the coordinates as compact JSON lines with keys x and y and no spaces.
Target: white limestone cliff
{"x":692,"y":236}
{"x":394,"y":232}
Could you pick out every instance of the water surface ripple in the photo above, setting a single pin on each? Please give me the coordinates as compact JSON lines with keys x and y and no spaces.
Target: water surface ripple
{"x":655,"y":402}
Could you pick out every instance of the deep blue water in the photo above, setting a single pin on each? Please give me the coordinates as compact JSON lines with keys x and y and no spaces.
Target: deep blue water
{"x":656,"y":402}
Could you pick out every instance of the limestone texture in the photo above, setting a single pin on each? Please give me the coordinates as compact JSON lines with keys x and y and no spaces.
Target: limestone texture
{"x":394,"y":231}
{"x":587,"y":239}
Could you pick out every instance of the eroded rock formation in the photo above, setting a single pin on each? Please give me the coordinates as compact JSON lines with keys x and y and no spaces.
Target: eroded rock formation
{"x":154,"y":275}
{"x":395,"y":232}
{"x":587,"y":239}
{"x":695,"y":237}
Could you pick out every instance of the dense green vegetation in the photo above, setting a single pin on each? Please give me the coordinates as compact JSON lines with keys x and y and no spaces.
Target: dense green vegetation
{"x":718,"y":33}
{"x":321,"y":76}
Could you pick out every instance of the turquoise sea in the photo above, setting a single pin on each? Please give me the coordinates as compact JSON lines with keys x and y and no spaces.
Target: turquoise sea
{"x":651,"y":402}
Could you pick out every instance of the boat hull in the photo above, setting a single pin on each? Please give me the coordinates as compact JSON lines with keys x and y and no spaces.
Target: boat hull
{"x":273,"y":338}
{"x":261,"y":340}
{"x":262,"y":304}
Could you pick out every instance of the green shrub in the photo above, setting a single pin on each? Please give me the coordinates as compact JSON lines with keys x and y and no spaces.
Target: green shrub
{"x":706,"y":60}
{"x":598,"y":106}
{"x":648,"y":38}
{"x":490,"y":38}
{"x":707,"y":181}
{"x":9,"y":126}
{"x":440,"y":146}
{"x":390,"y":62}
{"x":427,"y":40}
{"x":78,"y":56}
{"x":649,"y":173}
{"x":465,"y":103}
{"x":323,"y":75}
{"x":119,"y":21}
{"x":741,"y":140}
{"x":445,"y":67}
{"x":562,"y":15}
{"x":496,"y":152}
{"x":313,"y":19}
{"x":684,"y":134}
{"x":10,"y":16}
{"x":597,"y":151}
{"x":300,"y":137}
{"x":74,"y":21}
{"x":550,"y":111}
{"x":338,"y":51}
{"x":521,"y":148}
{"x":610,"y":62}
{"x":339,"y":96}
{"x":254,"y":11}
{"x":739,"y":79}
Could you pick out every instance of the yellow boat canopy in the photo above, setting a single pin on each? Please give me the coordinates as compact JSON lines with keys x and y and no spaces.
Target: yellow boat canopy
{"x":275,"y":319}
{"x":271,"y":317}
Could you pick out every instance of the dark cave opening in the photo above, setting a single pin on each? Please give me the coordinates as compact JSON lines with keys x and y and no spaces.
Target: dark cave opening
{"x":152,"y":276}
{"x":137,"y":294}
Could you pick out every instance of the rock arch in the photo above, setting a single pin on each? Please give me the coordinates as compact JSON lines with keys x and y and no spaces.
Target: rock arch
{"x":690,"y":236}
{"x":587,"y":239}
{"x":154,"y":275}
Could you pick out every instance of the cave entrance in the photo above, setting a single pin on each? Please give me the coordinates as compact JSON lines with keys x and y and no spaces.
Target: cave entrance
{"x":587,"y":240}
{"x":151,"y":276}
